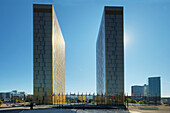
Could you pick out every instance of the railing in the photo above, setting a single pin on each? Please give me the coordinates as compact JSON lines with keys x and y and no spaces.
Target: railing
{"x":88,"y":99}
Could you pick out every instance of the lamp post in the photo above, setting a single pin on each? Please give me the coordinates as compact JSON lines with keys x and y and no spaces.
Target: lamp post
{"x":13,"y":98}
{"x":59,"y":100}
{"x":127,"y":99}
{"x":54,"y":98}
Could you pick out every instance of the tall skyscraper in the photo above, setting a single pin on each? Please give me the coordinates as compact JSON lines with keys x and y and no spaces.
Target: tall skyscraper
{"x":154,"y":86}
{"x":110,"y":53}
{"x":154,"y":89}
{"x":48,"y":55}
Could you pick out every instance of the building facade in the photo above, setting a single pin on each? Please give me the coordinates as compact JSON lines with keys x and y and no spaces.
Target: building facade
{"x":145,"y":88}
{"x":154,"y":86}
{"x":110,"y":53}
{"x":154,"y":89}
{"x":48,"y":55}
{"x":13,"y":96}
{"x":137,"y":91}
{"x":6,"y":96}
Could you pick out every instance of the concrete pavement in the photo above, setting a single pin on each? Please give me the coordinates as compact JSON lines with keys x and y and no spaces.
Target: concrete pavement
{"x":49,"y":109}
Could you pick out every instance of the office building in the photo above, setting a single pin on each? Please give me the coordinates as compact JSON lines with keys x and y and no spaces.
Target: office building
{"x":154,"y":86}
{"x":48,"y":55}
{"x":12,"y":96}
{"x":137,"y":91}
{"x":6,"y":96}
{"x":154,"y":89}
{"x":145,"y":88}
{"x":110,"y":54}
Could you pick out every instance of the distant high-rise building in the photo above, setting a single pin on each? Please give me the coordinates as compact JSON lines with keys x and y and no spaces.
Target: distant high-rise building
{"x":137,"y":91}
{"x":154,"y":89}
{"x":48,"y":55}
{"x":110,"y":53}
{"x":154,"y":86}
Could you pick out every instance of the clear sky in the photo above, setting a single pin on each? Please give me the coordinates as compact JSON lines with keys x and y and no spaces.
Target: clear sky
{"x":147,"y":37}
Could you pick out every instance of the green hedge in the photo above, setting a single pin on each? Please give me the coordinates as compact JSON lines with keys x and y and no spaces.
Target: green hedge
{"x":148,"y":108}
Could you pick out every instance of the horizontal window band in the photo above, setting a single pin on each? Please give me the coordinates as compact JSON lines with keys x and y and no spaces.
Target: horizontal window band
{"x":42,"y":10}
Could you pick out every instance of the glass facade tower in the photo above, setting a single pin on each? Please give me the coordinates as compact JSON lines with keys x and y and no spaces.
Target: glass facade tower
{"x":48,"y":55}
{"x":154,"y":86}
{"x":110,"y":53}
{"x":154,"y":89}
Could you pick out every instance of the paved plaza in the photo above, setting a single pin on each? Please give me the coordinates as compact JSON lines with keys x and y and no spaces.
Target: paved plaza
{"x":161,"y":109}
{"x":47,"y":109}
{"x":63,"y":111}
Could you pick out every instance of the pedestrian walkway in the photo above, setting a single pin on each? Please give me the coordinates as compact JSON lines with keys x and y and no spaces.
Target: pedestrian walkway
{"x":73,"y":111}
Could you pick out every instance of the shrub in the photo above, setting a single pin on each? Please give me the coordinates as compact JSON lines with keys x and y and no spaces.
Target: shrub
{"x":143,"y":102}
{"x":131,"y":100}
{"x":1,"y":102}
{"x":73,"y":101}
{"x":92,"y":102}
{"x":128,"y":100}
{"x":19,"y":101}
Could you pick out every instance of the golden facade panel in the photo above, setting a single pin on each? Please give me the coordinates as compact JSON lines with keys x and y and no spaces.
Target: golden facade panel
{"x":48,"y":55}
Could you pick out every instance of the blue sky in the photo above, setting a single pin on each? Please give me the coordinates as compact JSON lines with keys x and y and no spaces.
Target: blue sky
{"x":146,"y":26}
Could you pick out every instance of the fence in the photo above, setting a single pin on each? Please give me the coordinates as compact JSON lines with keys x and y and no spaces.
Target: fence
{"x":88,"y":99}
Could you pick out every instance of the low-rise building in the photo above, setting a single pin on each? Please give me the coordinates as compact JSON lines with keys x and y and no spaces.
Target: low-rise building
{"x":13,"y":96}
{"x":138,"y":91}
